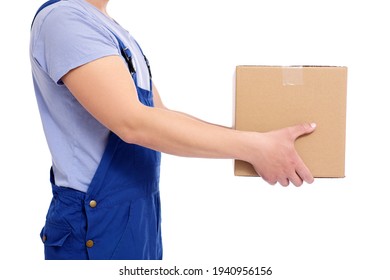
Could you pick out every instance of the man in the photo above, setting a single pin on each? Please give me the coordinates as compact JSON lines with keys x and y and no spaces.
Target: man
{"x":106,"y":125}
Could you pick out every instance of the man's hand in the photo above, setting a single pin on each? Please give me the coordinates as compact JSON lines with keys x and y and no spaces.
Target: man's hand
{"x":277,"y":161}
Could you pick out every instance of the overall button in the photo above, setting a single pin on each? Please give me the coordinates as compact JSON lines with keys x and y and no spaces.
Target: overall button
{"x":92,"y":203}
{"x":44,"y":238}
{"x":89,"y":243}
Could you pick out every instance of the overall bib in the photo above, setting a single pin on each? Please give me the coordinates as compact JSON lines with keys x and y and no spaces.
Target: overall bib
{"x":119,"y":216}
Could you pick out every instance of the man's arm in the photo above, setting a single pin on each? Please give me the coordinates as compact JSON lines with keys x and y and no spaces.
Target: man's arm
{"x":105,"y":88}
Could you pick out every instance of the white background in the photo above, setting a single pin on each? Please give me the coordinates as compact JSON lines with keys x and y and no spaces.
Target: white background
{"x":332,"y":229}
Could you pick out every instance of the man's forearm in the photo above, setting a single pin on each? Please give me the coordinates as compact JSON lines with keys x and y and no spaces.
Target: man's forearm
{"x":183,"y":135}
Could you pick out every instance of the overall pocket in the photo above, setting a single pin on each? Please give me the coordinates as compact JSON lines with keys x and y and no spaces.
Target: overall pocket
{"x":61,"y":234}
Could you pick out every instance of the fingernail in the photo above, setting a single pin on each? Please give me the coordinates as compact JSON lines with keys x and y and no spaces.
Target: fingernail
{"x":313,"y":125}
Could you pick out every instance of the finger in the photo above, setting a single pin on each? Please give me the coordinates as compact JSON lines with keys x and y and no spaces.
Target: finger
{"x":284,"y":182}
{"x":296,"y":180}
{"x":304,"y":173}
{"x":269,"y":180}
{"x":302,"y":129}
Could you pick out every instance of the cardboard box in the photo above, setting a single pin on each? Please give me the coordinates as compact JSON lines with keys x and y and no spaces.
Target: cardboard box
{"x":273,"y":97}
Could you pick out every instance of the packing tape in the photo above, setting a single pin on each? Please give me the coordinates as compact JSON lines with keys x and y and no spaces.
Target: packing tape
{"x":292,"y":75}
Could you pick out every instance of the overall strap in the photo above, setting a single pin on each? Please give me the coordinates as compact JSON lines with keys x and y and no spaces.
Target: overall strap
{"x":146,"y":60}
{"x":126,"y":53}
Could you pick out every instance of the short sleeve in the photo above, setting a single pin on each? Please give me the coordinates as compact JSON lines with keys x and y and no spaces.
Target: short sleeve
{"x":68,"y":39}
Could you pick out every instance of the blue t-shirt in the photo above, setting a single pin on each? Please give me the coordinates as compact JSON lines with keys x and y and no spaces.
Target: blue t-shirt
{"x":64,"y":36}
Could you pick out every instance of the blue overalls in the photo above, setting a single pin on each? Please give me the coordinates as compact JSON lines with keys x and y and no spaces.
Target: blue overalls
{"x":119,"y":216}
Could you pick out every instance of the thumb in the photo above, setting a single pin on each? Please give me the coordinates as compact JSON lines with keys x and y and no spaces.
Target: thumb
{"x":302,"y":129}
